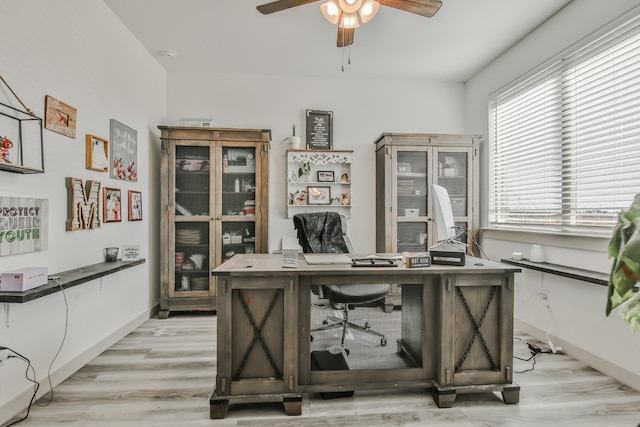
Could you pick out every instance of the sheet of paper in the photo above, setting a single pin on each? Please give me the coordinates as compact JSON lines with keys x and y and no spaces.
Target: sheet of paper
{"x":327,"y":258}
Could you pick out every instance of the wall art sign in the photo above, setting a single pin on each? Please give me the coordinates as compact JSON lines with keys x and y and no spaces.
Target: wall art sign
{"x":23,"y":225}
{"x":130,"y":252}
{"x":319,"y":130}
{"x":59,"y":117}
{"x":97,"y":152}
{"x":83,"y":204}
{"x":124,"y":152}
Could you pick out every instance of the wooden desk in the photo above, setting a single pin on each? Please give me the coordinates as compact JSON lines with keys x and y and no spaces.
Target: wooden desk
{"x":462,"y":342}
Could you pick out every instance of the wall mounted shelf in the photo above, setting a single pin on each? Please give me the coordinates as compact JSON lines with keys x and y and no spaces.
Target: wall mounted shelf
{"x":69,"y":279}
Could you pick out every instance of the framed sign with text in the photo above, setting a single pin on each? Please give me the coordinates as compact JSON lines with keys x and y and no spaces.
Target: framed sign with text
{"x":23,"y":225}
{"x":319,"y":130}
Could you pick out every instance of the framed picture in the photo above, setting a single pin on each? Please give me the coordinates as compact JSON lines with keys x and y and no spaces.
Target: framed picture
{"x":97,"y":153}
{"x":319,"y":130}
{"x":124,"y":152}
{"x":59,"y":117}
{"x":135,"y":206}
{"x":112,"y":203}
{"x":318,"y":195}
{"x":325,"y":176}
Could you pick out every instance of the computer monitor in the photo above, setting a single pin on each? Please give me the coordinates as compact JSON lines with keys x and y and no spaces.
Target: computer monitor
{"x":445,"y":225}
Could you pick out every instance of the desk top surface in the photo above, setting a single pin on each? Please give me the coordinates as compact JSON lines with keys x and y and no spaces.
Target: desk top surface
{"x":256,"y":264}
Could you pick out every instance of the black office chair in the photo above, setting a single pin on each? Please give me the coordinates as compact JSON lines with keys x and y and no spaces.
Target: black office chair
{"x":325,"y":232}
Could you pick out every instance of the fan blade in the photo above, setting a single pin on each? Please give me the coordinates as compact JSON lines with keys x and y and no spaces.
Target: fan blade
{"x":345,"y":36}
{"x":426,"y":8}
{"x":279,"y":5}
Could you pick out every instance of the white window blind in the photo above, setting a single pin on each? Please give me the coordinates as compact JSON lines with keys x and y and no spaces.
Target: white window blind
{"x":565,"y":142}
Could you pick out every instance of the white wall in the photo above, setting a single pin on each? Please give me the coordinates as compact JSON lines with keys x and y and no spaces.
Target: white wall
{"x":575,"y":316}
{"x":79,"y":53}
{"x":363,"y":109}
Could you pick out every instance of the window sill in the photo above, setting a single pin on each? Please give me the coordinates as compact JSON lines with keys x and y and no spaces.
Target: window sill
{"x":591,"y":242}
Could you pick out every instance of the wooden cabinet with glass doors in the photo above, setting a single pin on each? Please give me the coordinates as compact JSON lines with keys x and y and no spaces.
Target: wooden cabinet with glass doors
{"x":214,"y":201}
{"x":407,"y":165}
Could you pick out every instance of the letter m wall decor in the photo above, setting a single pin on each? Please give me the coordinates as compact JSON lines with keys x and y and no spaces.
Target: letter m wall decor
{"x":23,"y":225}
{"x":83,"y":204}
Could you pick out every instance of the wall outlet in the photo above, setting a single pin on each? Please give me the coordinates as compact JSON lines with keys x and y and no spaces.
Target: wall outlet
{"x":543,"y":294}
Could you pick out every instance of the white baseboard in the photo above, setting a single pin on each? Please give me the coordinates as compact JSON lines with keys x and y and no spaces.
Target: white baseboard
{"x":614,"y":371}
{"x":16,"y":405}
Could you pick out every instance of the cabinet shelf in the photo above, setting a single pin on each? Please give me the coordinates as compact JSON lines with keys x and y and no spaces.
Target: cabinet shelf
{"x":347,"y":183}
{"x":412,"y":175}
{"x":189,"y":271}
{"x":319,"y":206}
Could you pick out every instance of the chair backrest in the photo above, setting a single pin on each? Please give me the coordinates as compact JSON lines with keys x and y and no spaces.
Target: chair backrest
{"x":320,"y":232}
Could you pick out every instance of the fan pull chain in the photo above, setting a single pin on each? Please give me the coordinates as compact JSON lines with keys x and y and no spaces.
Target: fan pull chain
{"x":343,"y":51}
{"x":348,"y":55}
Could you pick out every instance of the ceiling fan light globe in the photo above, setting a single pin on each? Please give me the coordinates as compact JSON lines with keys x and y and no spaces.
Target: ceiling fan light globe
{"x":349,"y":20}
{"x":350,"y":6}
{"x":368,"y":10}
{"x":331,"y":11}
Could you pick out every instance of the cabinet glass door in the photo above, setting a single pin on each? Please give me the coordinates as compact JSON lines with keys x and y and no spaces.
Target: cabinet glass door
{"x":192,"y":214}
{"x":411,"y":237}
{"x":411,"y":200}
{"x":238,"y":201}
{"x":411,"y":183}
{"x":453,"y":175}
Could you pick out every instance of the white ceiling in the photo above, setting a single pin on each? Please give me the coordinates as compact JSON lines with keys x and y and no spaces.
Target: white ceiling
{"x":231,"y":36}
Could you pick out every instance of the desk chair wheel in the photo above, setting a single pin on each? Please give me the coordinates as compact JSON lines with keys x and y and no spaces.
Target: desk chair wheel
{"x":383,"y":341}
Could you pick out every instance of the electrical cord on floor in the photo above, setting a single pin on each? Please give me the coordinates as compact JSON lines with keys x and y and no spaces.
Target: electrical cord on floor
{"x":535,"y":350}
{"x":64,"y":336}
{"x":36,"y":384}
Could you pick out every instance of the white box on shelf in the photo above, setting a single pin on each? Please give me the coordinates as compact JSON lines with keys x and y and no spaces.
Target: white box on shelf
{"x":23,"y":279}
{"x":411,"y":212}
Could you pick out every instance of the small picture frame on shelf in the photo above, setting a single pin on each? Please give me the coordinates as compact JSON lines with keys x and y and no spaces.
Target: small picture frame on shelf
{"x":112,"y":205}
{"x":318,"y":195}
{"x":135,"y":205}
{"x":325,"y":176}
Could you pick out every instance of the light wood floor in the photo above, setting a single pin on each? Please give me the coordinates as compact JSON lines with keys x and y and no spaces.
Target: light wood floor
{"x":162,"y":374}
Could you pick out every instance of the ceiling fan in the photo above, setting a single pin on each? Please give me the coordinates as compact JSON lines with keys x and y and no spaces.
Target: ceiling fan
{"x":344,"y":13}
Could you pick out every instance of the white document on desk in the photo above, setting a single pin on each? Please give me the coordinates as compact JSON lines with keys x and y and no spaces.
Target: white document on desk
{"x":327,"y":259}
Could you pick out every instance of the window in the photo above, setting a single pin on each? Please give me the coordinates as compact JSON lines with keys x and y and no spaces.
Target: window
{"x":565,"y":141}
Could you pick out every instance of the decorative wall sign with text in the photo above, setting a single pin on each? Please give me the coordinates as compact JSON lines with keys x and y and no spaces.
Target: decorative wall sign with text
{"x":59,"y":117}
{"x":319,"y":130}
{"x":83,"y":204}
{"x":23,"y":225}
{"x":124,"y":152}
